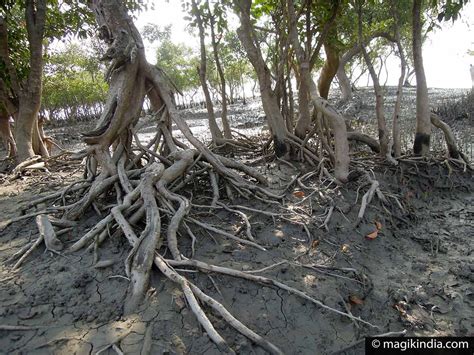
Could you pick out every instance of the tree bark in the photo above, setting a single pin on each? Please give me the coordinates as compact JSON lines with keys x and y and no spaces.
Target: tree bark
{"x":329,"y":70}
{"x":304,"y":118}
{"x":338,"y":126}
{"x":26,"y":125}
{"x":6,"y":133}
{"x":379,"y":95}
{"x":344,"y":83}
{"x":275,"y":119}
{"x":421,"y":145}
{"x":397,"y":139}
{"x":216,"y":133}
{"x":409,"y":75}
{"x":453,"y":150}
{"x":220,"y":71}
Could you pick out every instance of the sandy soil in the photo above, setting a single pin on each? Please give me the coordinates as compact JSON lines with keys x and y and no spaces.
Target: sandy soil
{"x":417,"y":274}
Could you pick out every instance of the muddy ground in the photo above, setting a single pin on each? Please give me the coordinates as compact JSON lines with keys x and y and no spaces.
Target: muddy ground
{"x":416,"y":274}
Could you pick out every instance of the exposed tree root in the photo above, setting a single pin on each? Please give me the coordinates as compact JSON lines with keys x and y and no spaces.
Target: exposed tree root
{"x":358,"y":342}
{"x":368,"y":196}
{"x":17,"y":327}
{"x":47,"y":231}
{"x":20,"y":168}
{"x":364,"y":138}
{"x":263,"y":280}
{"x":46,"y":235}
{"x":129,"y":182}
{"x":234,"y":322}
{"x":453,"y":149}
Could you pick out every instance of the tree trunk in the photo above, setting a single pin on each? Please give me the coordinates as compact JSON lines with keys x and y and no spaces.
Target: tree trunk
{"x":379,"y":96}
{"x":338,"y":125}
{"x":471,"y":68}
{"x":450,"y":140}
{"x":7,"y":110}
{"x":421,"y":145}
{"x":225,"y":121}
{"x":397,"y":139}
{"x":6,"y":133}
{"x":406,"y":82}
{"x":244,"y":100}
{"x":291,"y":108}
{"x":304,"y":118}
{"x":275,"y":119}
{"x":329,"y":70}
{"x":26,"y":125}
{"x":344,"y":83}
{"x":216,"y":133}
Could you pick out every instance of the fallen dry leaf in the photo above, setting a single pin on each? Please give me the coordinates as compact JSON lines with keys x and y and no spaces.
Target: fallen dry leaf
{"x":345,"y":248}
{"x":299,"y":194}
{"x":378,"y":225}
{"x":315,"y":244}
{"x":372,"y":235}
{"x":400,"y":308}
{"x":355,"y":300}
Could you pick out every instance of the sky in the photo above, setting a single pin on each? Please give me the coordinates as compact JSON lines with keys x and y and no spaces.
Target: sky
{"x":445,"y":52}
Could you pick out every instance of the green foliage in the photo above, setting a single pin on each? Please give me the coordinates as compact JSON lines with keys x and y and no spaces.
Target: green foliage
{"x":64,"y":20}
{"x":178,"y":61}
{"x":153,"y":33}
{"x":237,"y":67}
{"x":261,"y":8}
{"x":73,"y":81}
{"x":136,"y":6}
{"x":448,"y":9}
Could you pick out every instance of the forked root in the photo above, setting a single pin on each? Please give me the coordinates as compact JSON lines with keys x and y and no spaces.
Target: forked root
{"x":368,"y":196}
{"x":148,"y":242}
{"x":265,"y":281}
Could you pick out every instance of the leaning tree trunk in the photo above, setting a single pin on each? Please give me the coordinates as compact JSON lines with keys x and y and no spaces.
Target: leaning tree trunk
{"x":421,"y":145}
{"x":329,"y":70}
{"x":27,"y":136}
{"x":275,"y":119}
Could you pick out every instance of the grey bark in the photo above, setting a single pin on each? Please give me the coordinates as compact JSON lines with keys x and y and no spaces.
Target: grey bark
{"x":275,"y":119}
{"x":220,"y":71}
{"x":379,"y":95}
{"x":337,"y":122}
{"x":396,"y":135}
{"x":214,"y":128}
{"x":26,"y":125}
{"x":421,"y":145}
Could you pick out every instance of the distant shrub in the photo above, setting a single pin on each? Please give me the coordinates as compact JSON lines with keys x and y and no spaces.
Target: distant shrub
{"x":459,"y":109}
